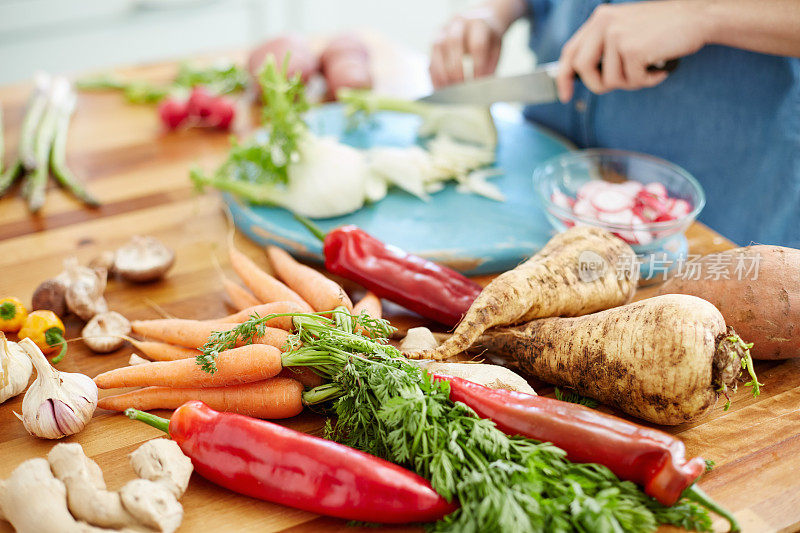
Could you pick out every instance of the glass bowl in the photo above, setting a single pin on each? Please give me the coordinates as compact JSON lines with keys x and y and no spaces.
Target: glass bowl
{"x":566,"y":173}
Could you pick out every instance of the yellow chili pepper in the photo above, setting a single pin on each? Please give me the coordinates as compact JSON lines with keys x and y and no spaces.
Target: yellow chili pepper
{"x":46,"y":330}
{"x":12,"y":314}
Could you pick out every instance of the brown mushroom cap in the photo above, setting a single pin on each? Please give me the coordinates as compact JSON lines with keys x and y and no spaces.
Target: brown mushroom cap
{"x":50,"y":294}
{"x":143,"y":259}
{"x":104,"y":332}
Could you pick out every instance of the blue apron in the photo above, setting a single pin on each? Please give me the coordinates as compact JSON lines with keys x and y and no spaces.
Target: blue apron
{"x":728,"y":116}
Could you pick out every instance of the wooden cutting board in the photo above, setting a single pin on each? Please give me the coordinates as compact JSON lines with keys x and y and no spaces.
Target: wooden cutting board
{"x":141,"y":174}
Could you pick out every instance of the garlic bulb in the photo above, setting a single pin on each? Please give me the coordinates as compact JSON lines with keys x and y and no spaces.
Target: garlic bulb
{"x":57,"y":404}
{"x":15,"y":369}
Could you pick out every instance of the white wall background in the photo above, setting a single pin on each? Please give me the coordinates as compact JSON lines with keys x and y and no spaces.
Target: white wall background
{"x":67,"y":36}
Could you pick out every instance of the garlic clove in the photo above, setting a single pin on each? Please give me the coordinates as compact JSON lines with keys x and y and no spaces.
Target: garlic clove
{"x":15,"y":369}
{"x":57,"y":404}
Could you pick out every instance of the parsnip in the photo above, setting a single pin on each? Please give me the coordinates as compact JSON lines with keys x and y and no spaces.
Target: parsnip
{"x":665,"y":359}
{"x":576,"y":273}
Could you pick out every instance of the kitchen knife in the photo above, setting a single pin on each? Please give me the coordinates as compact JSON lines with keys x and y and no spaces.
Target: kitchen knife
{"x":537,"y":87}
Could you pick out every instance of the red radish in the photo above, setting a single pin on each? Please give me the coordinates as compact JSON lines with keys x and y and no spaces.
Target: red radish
{"x":221,"y":113}
{"x":562,"y":200}
{"x":622,"y":218}
{"x":610,"y":200}
{"x":680,"y":208}
{"x":588,"y":189}
{"x":657,"y":188}
{"x":301,"y":58}
{"x":628,"y":206}
{"x":200,"y":102}
{"x":583,"y":208}
{"x":173,"y":112}
{"x":630,"y":187}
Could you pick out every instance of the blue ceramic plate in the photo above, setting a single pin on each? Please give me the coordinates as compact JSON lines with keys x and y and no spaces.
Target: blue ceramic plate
{"x":468,"y":232}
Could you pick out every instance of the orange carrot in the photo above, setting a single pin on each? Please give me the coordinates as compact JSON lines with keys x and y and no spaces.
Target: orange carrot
{"x":246,"y":364}
{"x":239,"y":297}
{"x":283,"y":322}
{"x":265,"y":287}
{"x":195,"y":333}
{"x":271,"y":398}
{"x":369,"y":303}
{"x":160,"y":351}
{"x":306,"y":376}
{"x":322,"y":293}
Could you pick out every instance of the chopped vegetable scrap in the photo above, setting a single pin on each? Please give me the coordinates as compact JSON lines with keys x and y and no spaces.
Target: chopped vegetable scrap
{"x":629,"y":206}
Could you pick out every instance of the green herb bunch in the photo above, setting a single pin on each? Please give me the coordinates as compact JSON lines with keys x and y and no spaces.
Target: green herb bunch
{"x":258,"y":165}
{"x":387,"y":406}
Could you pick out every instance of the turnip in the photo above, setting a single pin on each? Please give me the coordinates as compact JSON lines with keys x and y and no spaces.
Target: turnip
{"x":665,"y":359}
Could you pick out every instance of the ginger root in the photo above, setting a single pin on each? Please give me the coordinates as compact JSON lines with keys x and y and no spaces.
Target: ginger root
{"x":67,"y":492}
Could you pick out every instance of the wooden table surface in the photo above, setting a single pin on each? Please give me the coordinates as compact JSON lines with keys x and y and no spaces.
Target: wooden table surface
{"x":141,"y":175}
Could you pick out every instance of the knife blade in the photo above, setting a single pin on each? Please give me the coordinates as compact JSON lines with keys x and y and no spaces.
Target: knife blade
{"x":537,"y":87}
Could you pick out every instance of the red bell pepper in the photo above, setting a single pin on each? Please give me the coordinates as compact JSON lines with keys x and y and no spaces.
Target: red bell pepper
{"x":651,"y":458}
{"x":277,"y":464}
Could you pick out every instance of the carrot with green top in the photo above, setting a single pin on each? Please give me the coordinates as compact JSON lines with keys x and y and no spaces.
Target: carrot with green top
{"x":370,"y":304}
{"x":322,"y":293}
{"x":271,"y":398}
{"x":195,"y":333}
{"x":265,"y":287}
{"x":254,"y":362}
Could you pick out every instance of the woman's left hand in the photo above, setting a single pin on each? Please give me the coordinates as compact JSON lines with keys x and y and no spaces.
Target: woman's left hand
{"x":626,"y":38}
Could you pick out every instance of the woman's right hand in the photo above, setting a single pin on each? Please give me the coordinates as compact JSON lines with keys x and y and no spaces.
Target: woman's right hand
{"x":477,"y":33}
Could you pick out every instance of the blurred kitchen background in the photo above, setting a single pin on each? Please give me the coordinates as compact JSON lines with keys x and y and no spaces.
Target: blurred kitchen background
{"x":78,"y":36}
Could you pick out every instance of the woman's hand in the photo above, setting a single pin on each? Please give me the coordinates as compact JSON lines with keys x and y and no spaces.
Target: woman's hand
{"x":477,"y":33}
{"x":626,"y":39}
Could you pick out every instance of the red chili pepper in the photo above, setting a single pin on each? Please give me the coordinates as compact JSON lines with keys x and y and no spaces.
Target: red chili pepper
{"x":648,"y":457}
{"x":427,"y":288}
{"x":277,"y":464}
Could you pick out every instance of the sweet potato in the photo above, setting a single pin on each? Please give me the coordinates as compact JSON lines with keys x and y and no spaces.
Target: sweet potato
{"x":663,"y":359}
{"x":757,"y":290}
{"x":576,"y":273}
